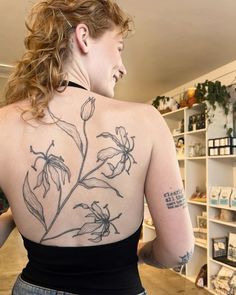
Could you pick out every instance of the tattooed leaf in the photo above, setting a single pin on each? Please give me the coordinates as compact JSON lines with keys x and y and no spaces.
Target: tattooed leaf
{"x":122,"y":134}
{"x":71,"y":130}
{"x":55,"y":176}
{"x":46,"y":184}
{"x":90,"y":215}
{"x":120,"y":167}
{"x":63,"y":168}
{"x":39,"y":179}
{"x":84,"y":206}
{"x":107,"y":153}
{"x":106,"y":233}
{"x":93,"y":182}
{"x":113,"y":137}
{"x":89,"y":227}
{"x":97,"y":209}
{"x":32,"y":203}
{"x":96,"y":240}
{"x":112,"y":167}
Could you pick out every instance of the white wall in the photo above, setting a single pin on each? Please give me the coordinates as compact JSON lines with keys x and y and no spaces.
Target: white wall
{"x":226,"y":74}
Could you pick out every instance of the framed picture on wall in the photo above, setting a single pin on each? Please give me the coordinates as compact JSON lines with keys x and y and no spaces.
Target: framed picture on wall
{"x":201,"y":222}
{"x":232,"y":247}
{"x":219,"y":247}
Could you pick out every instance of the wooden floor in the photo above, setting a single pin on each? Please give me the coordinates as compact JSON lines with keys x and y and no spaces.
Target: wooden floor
{"x":156,"y":282}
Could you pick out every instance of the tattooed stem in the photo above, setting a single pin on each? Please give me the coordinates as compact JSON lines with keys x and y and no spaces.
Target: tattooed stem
{"x":59,"y":201}
{"x":90,"y":172}
{"x":85,"y":152}
{"x":61,"y":234}
{"x":58,"y":211}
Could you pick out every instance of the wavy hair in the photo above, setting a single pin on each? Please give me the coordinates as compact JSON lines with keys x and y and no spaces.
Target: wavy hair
{"x":39,"y":73}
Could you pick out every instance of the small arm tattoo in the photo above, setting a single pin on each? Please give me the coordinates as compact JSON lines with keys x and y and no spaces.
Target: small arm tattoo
{"x":175,"y":199}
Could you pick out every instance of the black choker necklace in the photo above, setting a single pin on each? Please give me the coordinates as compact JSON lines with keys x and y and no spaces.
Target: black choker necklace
{"x":73,"y":84}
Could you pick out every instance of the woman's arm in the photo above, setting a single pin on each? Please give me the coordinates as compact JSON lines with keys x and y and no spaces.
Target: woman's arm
{"x":7,"y":224}
{"x":174,"y":242}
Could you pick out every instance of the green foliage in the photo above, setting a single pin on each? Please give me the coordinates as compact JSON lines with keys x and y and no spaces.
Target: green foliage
{"x":215,"y":94}
{"x":158,"y":99}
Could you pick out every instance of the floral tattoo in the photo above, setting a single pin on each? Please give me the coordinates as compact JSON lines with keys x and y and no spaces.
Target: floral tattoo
{"x":55,"y":173}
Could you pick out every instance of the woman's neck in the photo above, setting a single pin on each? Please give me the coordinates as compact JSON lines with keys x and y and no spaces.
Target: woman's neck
{"x":75,"y":73}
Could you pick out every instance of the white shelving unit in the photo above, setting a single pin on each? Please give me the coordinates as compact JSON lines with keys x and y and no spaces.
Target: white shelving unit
{"x":202,"y":172}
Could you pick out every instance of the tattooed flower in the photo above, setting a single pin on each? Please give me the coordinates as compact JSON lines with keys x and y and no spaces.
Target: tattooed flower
{"x":101,"y":224}
{"x":87,"y":109}
{"x":124,"y":149}
{"x":53,"y":168}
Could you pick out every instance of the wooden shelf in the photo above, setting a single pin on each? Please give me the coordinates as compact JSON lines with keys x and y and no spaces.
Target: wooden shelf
{"x":174,"y":112}
{"x":196,"y":158}
{"x":222,"y":264}
{"x":222,"y":157}
{"x":231,"y":224}
{"x":204,"y":246}
{"x":197,"y":203}
{"x":179,"y":134}
{"x":196,"y":131}
{"x":222,"y":207}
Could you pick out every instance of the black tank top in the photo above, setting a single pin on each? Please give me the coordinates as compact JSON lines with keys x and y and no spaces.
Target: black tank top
{"x":109,"y":269}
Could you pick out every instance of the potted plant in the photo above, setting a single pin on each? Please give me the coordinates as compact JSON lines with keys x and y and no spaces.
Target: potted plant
{"x":165,"y":104}
{"x":214,"y":94}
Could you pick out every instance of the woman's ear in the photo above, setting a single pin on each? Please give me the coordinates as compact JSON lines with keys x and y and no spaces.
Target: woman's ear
{"x":82,"y":35}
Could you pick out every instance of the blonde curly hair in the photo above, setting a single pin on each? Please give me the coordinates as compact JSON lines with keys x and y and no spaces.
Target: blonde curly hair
{"x":39,"y":73}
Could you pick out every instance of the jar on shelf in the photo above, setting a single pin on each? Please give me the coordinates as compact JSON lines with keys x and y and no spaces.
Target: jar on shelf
{"x":191,"y":151}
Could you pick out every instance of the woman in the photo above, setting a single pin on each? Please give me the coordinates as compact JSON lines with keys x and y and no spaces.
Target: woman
{"x":76,"y":166}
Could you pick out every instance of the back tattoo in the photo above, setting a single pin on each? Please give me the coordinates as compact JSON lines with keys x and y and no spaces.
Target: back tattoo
{"x":54,"y":173}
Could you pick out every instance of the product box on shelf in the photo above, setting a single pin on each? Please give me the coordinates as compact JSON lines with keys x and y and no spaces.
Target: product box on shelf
{"x":224,"y":199}
{"x":222,"y":146}
{"x":214,"y":195}
{"x":232,"y":247}
{"x":197,"y":122}
{"x":224,"y":281}
{"x":200,"y":235}
{"x":233,"y":198}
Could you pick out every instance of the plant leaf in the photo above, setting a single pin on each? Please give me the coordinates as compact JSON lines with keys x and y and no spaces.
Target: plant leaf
{"x":94,"y":182}
{"x":122,"y":134}
{"x":107,"y":153}
{"x":88,"y":227}
{"x":71,"y":130}
{"x":96,"y":240}
{"x":46,"y":184}
{"x":120,"y":167}
{"x":32,"y":203}
{"x":113,"y":137}
{"x":97,"y":209}
{"x":62,"y":167}
{"x":54,"y":176}
{"x":84,"y":206}
{"x":39,"y":179}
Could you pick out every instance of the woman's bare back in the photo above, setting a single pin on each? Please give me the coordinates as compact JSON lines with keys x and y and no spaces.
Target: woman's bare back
{"x":80,"y":180}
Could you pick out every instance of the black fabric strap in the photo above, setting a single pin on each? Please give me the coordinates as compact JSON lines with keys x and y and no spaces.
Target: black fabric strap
{"x":73,"y":84}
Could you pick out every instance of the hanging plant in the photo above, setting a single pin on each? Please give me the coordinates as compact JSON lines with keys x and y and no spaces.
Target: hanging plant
{"x":165,"y":104}
{"x":157,"y":101}
{"x":215,"y":94}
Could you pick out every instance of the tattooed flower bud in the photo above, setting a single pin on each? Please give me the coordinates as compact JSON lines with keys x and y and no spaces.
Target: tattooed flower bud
{"x":87,"y":109}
